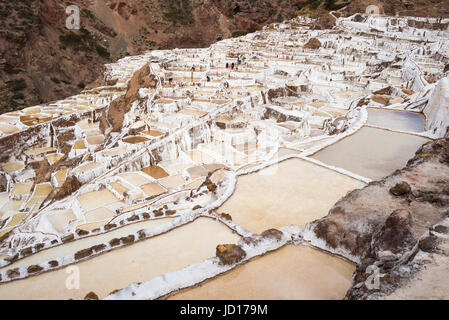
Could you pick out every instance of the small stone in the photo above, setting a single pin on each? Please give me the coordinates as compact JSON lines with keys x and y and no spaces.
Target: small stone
{"x":83,"y":253}
{"x":109,"y":227}
{"x":13,"y":273}
{"x":142,"y":235}
{"x":133,"y":218}
{"x":114,"y":242}
{"x":128,"y":240}
{"x":91,"y":296}
{"x":68,"y":238}
{"x":401,"y":188}
{"x":82,"y":233}
{"x":26,"y":252}
{"x":226,"y":216}
{"x":53,"y":263}
{"x":98,"y":248}
{"x":34,"y":269}
{"x":272,"y":234}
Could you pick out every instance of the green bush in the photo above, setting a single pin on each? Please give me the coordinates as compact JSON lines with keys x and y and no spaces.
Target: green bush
{"x":83,"y":41}
{"x":102,"y":52}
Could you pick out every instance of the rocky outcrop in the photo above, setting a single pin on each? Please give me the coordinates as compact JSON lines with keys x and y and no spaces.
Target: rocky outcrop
{"x":355,"y":219}
{"x":396,"y":235}
{"x":113,"y":117}
{"x":437,"y":109}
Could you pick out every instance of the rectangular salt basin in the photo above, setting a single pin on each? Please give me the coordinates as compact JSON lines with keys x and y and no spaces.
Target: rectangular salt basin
{"x":95,"y":199}
{"x":396,"y":120}
{"x":290,"y":273}
{"x":293,"y":192}
{"x":372,"y":153}
{"x":155,"y":171}
{"x":140,"y":262}
{"x":135,"y":178}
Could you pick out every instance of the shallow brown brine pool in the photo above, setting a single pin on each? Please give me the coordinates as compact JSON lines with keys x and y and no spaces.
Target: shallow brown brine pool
{"x":372,"y":153}
{"x":293,"y":192}
{"x":139,"y":262}
{"x":290,"y":273}
{"x":396,"y":120}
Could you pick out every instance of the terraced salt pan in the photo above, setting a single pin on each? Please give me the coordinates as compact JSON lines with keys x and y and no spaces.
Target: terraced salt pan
{"x":200,"y":157}
{"x":155,"y":171}
{"x":152,"y":189}
{"x":13,"y":167}
{"x":10,"y":208}
{"x":396,"y":120}
{"x":95,"y":199}
{"x":371,"y":152}
{"x":54,"y":157}
{"x":22,"y":188}
{"x":72,"y":247}
{"x":140,"y":262}
{"x":293,"y":192}
{"x":61,"y":220}
{"x":172,"y":182}
{"x":153,"y":133}
{"x":135,"y":179}
{"x":7,"y":128}
{"x":290,"y":273}
{"x":99,"y":214}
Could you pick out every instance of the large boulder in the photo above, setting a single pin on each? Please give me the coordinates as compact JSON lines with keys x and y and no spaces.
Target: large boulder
{"x":396,"y":234}
{"x":230,"y":253}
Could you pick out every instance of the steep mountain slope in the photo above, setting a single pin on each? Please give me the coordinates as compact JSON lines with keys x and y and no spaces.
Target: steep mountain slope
{"x":41,"y":60}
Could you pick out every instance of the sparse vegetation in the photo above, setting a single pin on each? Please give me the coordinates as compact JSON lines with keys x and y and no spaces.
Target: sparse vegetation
{"x":236,"y":34}
{"x":83,"y":41}
{"x":180,"y":12}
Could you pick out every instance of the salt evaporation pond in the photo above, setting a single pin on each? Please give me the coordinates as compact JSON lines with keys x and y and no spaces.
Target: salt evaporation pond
{"x":74,"y":246}
{"x":292,"y":192}
{"x":371,"y":152}
{"x":396,"y":120}
{"x":117,"y":269}
{"x":290,"y":273}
